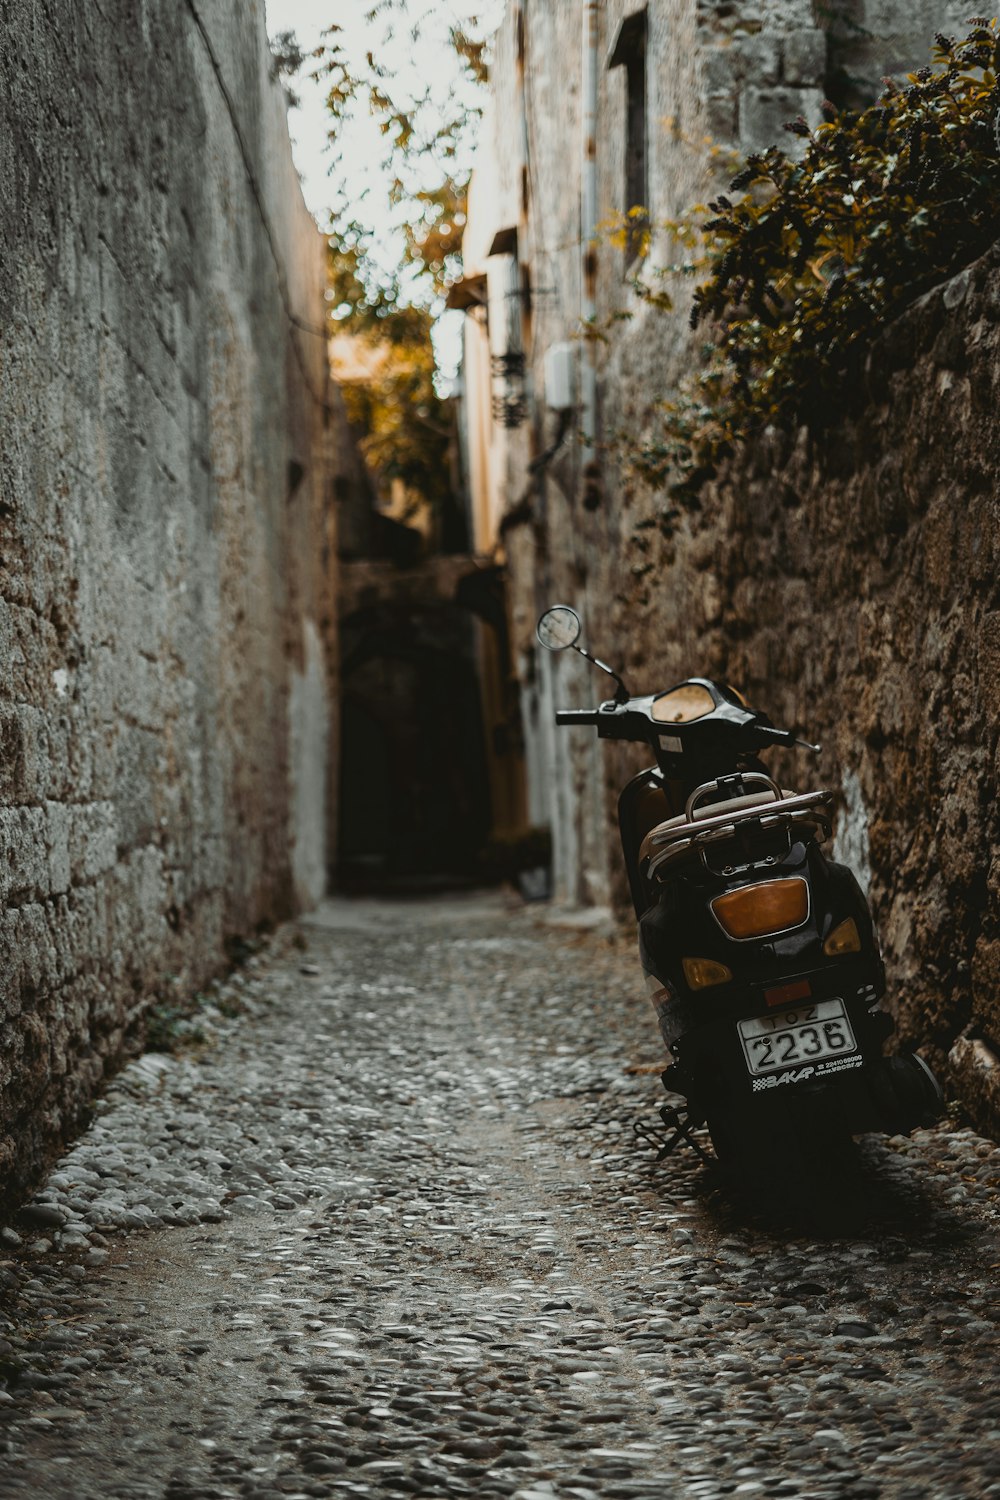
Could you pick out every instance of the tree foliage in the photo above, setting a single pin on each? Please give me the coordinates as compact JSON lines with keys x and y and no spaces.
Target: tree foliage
{"x":287,"y":57}
{"x":428,"y":129}
{"x":403,"y":423}
{"x":809,"y":256}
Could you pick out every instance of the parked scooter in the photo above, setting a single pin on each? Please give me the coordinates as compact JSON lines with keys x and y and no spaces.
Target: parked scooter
{"x":759,"y":953}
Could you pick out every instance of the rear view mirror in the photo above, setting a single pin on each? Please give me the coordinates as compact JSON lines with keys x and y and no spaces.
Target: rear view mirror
{"x":558,"y":628}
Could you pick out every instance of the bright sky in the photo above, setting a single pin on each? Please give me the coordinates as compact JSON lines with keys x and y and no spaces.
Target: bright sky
{"x":361,"y":147}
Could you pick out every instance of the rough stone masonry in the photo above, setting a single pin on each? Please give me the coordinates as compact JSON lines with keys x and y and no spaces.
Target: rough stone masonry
{"x":165,"y":620}
{"x":847,"y":584}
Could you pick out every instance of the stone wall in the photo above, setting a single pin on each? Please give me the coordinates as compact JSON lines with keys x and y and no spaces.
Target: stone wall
{"x":850,"y":585}
{"x":721,"y":78}
{"x":165,"y":530}
{"x":848,"y":589}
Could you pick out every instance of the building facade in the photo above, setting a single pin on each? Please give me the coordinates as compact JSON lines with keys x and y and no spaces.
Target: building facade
{"x":608,"y":122}
{"x":846,"y":583}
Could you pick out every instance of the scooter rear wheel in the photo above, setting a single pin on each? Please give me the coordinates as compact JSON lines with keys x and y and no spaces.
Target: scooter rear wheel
{"x":786,"y":1145}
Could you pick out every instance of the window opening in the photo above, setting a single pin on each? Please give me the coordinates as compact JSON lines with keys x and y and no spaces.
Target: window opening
{"x":629,"y":52}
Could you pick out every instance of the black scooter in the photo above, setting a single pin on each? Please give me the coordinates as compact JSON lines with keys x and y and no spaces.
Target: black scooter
{"x":759,"y":953}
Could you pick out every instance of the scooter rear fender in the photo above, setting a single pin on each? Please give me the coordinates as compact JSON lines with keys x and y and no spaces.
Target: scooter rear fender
{"x":680,"y":923}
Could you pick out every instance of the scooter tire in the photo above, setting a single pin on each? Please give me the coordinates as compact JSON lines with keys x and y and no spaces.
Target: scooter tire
{"x":725,"y":1138}
{"x":750,"y":1148}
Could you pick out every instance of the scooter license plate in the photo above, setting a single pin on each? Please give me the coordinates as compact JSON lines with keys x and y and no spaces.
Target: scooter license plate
{"x":798,"y":1038}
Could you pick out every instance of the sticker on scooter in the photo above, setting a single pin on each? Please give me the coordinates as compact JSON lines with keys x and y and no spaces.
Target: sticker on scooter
{"x":802,"y":1075}
{"x":775,"y":1080}
{"x":840,"y":1064}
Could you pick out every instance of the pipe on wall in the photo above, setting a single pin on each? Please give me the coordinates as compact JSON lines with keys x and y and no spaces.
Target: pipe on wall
{"x":588,"y":255}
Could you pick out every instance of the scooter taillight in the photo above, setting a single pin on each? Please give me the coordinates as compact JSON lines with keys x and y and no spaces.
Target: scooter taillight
{"x":759,"y":910}
{"x":701,"y":973}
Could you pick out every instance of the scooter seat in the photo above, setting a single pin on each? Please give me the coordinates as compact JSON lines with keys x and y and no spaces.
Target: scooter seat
{"x":715,"y":822}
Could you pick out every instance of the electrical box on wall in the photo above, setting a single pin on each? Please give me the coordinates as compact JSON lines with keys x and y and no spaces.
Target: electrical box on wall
{"x":560,"y":366}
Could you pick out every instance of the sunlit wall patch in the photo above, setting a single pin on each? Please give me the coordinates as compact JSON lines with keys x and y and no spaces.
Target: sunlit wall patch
{"x":850,"y":844}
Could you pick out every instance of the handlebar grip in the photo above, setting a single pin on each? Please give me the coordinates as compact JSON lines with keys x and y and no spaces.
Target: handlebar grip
{"x":582,"y":716}
{"x":774,"y":736}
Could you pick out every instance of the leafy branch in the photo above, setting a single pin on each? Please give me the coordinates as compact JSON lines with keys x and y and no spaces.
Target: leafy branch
{"x":387,"y":302}
{"x":810,"y":256}
{"x":429,"y":135}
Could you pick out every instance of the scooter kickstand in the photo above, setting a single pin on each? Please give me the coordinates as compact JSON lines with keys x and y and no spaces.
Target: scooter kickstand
{"x":682,"y":1122}
{"x":680,"y":1125}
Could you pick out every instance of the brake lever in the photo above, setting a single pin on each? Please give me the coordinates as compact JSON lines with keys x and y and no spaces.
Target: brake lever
{"x":783,"y":737}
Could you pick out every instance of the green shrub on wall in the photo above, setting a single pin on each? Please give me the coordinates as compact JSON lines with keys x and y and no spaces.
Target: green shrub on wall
{"x":809,"y":257}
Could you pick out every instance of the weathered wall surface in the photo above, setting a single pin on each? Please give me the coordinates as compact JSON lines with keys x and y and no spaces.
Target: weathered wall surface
{"x":165,"y":540}
{"x":851,"y":586}
{"x":849,"y":589}
{"x":720,"y":77}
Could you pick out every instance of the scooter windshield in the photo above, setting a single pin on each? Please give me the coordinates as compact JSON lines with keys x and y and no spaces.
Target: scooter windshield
{"x":682,"y":705}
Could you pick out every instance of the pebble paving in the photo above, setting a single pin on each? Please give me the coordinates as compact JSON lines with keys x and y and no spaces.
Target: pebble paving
{"x":382,"y":1227}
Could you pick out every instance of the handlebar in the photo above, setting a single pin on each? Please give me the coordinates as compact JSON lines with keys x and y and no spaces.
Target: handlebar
{"x":783,"y":737}
{"x":771,"y":736}
{"x":611,"y":725}
{"x":583,"y":716}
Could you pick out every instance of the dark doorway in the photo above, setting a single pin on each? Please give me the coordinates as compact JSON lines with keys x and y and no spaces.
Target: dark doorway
{"x":414,"y":787}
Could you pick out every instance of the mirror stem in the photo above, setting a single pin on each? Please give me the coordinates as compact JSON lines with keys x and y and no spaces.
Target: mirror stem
{"x":622,"y":694}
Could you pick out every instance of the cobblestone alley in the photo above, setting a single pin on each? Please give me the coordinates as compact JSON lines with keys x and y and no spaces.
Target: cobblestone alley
{"x":383,"y":1227}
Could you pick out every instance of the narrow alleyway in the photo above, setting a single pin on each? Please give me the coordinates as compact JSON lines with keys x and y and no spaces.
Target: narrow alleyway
{"x":388,"y":1231}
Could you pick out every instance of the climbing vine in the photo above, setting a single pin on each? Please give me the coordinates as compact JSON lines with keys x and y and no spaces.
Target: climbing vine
{"x":809,"y":256}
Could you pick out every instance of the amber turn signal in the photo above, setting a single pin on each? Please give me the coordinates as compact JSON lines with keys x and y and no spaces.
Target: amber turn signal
{"x":843,"y":939}
{"x":702,"y":972}
{"x":756,"y":910}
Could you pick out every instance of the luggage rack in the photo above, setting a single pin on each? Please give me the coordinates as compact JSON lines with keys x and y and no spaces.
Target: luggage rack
{"x":678,"y":838}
